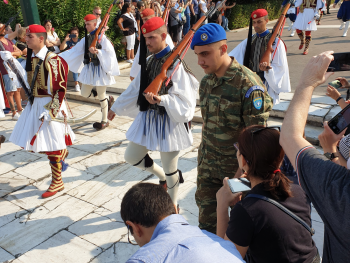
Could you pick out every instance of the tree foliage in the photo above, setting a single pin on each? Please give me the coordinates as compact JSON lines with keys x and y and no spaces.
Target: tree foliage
{"x":240,"y":14}
{"x":65,"y":14}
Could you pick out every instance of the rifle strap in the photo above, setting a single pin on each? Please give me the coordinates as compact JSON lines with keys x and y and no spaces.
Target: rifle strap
{"x":36,"y":71}
{"x":86,"y":53}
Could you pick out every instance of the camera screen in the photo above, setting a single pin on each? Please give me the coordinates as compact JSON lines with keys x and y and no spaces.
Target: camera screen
{"x":340,"y":122}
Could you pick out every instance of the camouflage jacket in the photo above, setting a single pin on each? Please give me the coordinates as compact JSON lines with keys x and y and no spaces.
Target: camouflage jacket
{"x":230,"y":103}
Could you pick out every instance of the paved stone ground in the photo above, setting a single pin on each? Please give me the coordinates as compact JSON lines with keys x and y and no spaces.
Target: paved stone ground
{"x":82,"y":223}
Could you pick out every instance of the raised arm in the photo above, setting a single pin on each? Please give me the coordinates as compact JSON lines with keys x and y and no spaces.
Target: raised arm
{"x":293,"y":127}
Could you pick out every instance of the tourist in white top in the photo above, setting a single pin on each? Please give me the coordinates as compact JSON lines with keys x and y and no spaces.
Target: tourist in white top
{"x":52,"y":42}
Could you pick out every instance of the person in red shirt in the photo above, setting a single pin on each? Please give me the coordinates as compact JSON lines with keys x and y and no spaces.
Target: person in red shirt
{"x":12,"y":91}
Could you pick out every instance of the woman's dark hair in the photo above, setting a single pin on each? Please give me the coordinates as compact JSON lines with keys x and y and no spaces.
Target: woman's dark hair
{"x":47,"y":21}
{"x":73,"y":28}
{"x":264,"y":155}
{"x":146,"y":204}
{"x":125,"y":8}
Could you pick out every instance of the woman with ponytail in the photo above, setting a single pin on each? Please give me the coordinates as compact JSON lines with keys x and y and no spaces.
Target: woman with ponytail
{"x":270,"y":234}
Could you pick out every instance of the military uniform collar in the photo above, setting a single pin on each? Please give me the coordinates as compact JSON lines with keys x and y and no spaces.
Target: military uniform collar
{"x":162,"y":53}
{"x":229,"y":74}
{"x":263,"y":34}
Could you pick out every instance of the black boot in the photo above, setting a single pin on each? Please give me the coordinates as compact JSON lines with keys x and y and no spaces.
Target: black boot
{"x":100,"y":125}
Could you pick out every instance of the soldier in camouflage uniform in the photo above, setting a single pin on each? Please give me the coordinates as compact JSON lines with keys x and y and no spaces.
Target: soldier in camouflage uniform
{"x":231,"y":97}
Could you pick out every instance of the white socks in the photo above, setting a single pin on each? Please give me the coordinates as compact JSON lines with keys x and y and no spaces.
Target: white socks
{"x":346,"y":28}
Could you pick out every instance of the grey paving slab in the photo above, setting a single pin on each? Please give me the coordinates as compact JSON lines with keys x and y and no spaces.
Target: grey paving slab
{"x":8,"y":212}
{"x":5,"y":256}
{"x":118,"y":253}
{"x":99,"y":230}
{"x":12,"y":161}
{"x":62,"y":247}
{"x":30,"y":197}
{"x":18,"y":237}
{"x":334,"y":111}
{"x":11,"y":182}
{"x":108,"y":185}
{"x":99,"y":163}
{"x":37,"y":170}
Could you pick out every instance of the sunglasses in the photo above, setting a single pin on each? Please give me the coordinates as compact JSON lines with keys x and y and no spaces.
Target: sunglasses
{"x":131,"y":242}
{"x":278,"y":128}
{"x":98,"y":14}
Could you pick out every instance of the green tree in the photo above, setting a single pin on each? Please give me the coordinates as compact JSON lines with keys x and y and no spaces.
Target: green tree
{"x":65,"y":14}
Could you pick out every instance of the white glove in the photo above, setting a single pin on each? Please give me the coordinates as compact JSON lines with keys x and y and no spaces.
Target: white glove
{"x":5,"y":55}
{"x":317,"y":16}
{"x":45,"y":115}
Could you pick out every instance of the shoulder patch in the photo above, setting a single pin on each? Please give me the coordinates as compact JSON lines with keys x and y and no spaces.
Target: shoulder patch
{"x":257,"y":102}
{"x":251,"y":89}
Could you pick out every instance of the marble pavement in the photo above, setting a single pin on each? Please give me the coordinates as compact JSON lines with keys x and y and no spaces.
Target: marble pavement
{"x":82,"y":223}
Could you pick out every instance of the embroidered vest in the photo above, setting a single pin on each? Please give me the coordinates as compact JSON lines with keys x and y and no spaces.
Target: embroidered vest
{"x":259,"y":46}
{"x":93,"y":58}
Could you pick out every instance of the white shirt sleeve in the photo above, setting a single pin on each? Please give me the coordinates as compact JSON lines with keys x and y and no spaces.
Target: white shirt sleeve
{"x":108,"y":58}
{"x":239,"y":52}
{"x":126,"y":104}
{"x":75,"y":56}
{"x":278,"y":77}
{"x":135,"y":68}
{"x":180,"y":102}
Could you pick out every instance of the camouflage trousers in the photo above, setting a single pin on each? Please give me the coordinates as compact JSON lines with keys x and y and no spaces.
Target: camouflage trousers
{"x":212,"y":168}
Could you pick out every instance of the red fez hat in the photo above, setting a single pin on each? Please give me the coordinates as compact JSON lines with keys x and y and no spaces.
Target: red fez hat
{"x":152,"y":24}
{"x":259,"y":13}
{"x":147,"y":12}
{"x":36,"y":29}
{"x":89,"y":18}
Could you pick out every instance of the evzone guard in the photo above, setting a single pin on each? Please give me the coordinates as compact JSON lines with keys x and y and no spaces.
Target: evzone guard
{"x":37,"y":129}
{"x":343,"y":15}
{"x":306,"y":21}
{"x":275,"y":76}
{"x":291,"y":16}
{"x":97,"y":67}
{"x":161,"y":121}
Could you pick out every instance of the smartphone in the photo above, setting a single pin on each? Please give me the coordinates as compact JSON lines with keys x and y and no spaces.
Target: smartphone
{"x":340,"y":121}
{"x":73,"y":36}
{"x":341,"y":62}
{"x":239,"y":185}
{"x":335,"y":84}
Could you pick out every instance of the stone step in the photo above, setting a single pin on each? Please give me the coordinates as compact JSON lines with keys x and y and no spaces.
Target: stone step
{"x":322,"y":108}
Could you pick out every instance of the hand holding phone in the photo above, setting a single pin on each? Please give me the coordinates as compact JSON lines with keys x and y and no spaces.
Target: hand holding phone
{"x":340,"y":121}
{"x":335,"y":84}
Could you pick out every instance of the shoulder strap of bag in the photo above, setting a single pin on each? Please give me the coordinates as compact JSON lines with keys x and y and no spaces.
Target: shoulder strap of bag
{"x":284,"y":209}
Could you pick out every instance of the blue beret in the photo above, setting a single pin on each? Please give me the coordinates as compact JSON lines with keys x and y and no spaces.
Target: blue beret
{"x":207,"y":34}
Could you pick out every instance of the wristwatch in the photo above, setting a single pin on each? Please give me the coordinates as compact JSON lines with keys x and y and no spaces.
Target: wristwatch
{"x":330,"y":156}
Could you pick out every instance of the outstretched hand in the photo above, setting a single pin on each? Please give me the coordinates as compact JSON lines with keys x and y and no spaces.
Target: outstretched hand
{"x":315,"y":72}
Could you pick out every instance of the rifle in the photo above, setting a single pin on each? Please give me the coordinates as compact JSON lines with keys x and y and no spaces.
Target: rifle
{"x":277,"y":31}
{"x":103,"y":24}
{"x":8,"y":22}
{"x":156,"y":84}
{"x":165,"y":13}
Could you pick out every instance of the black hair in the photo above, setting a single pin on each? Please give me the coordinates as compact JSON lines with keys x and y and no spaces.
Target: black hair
{"x":146,"y":204}
{"x":125,"y":8}
{"x":73,"y":28}
{"x":47,"y":21}
{"x":140,"y":4}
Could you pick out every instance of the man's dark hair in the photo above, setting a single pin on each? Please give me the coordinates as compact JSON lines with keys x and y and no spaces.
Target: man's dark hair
{"x":146,"y":204}
{"x":140,"y":4}
{"x":73,"y":28}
